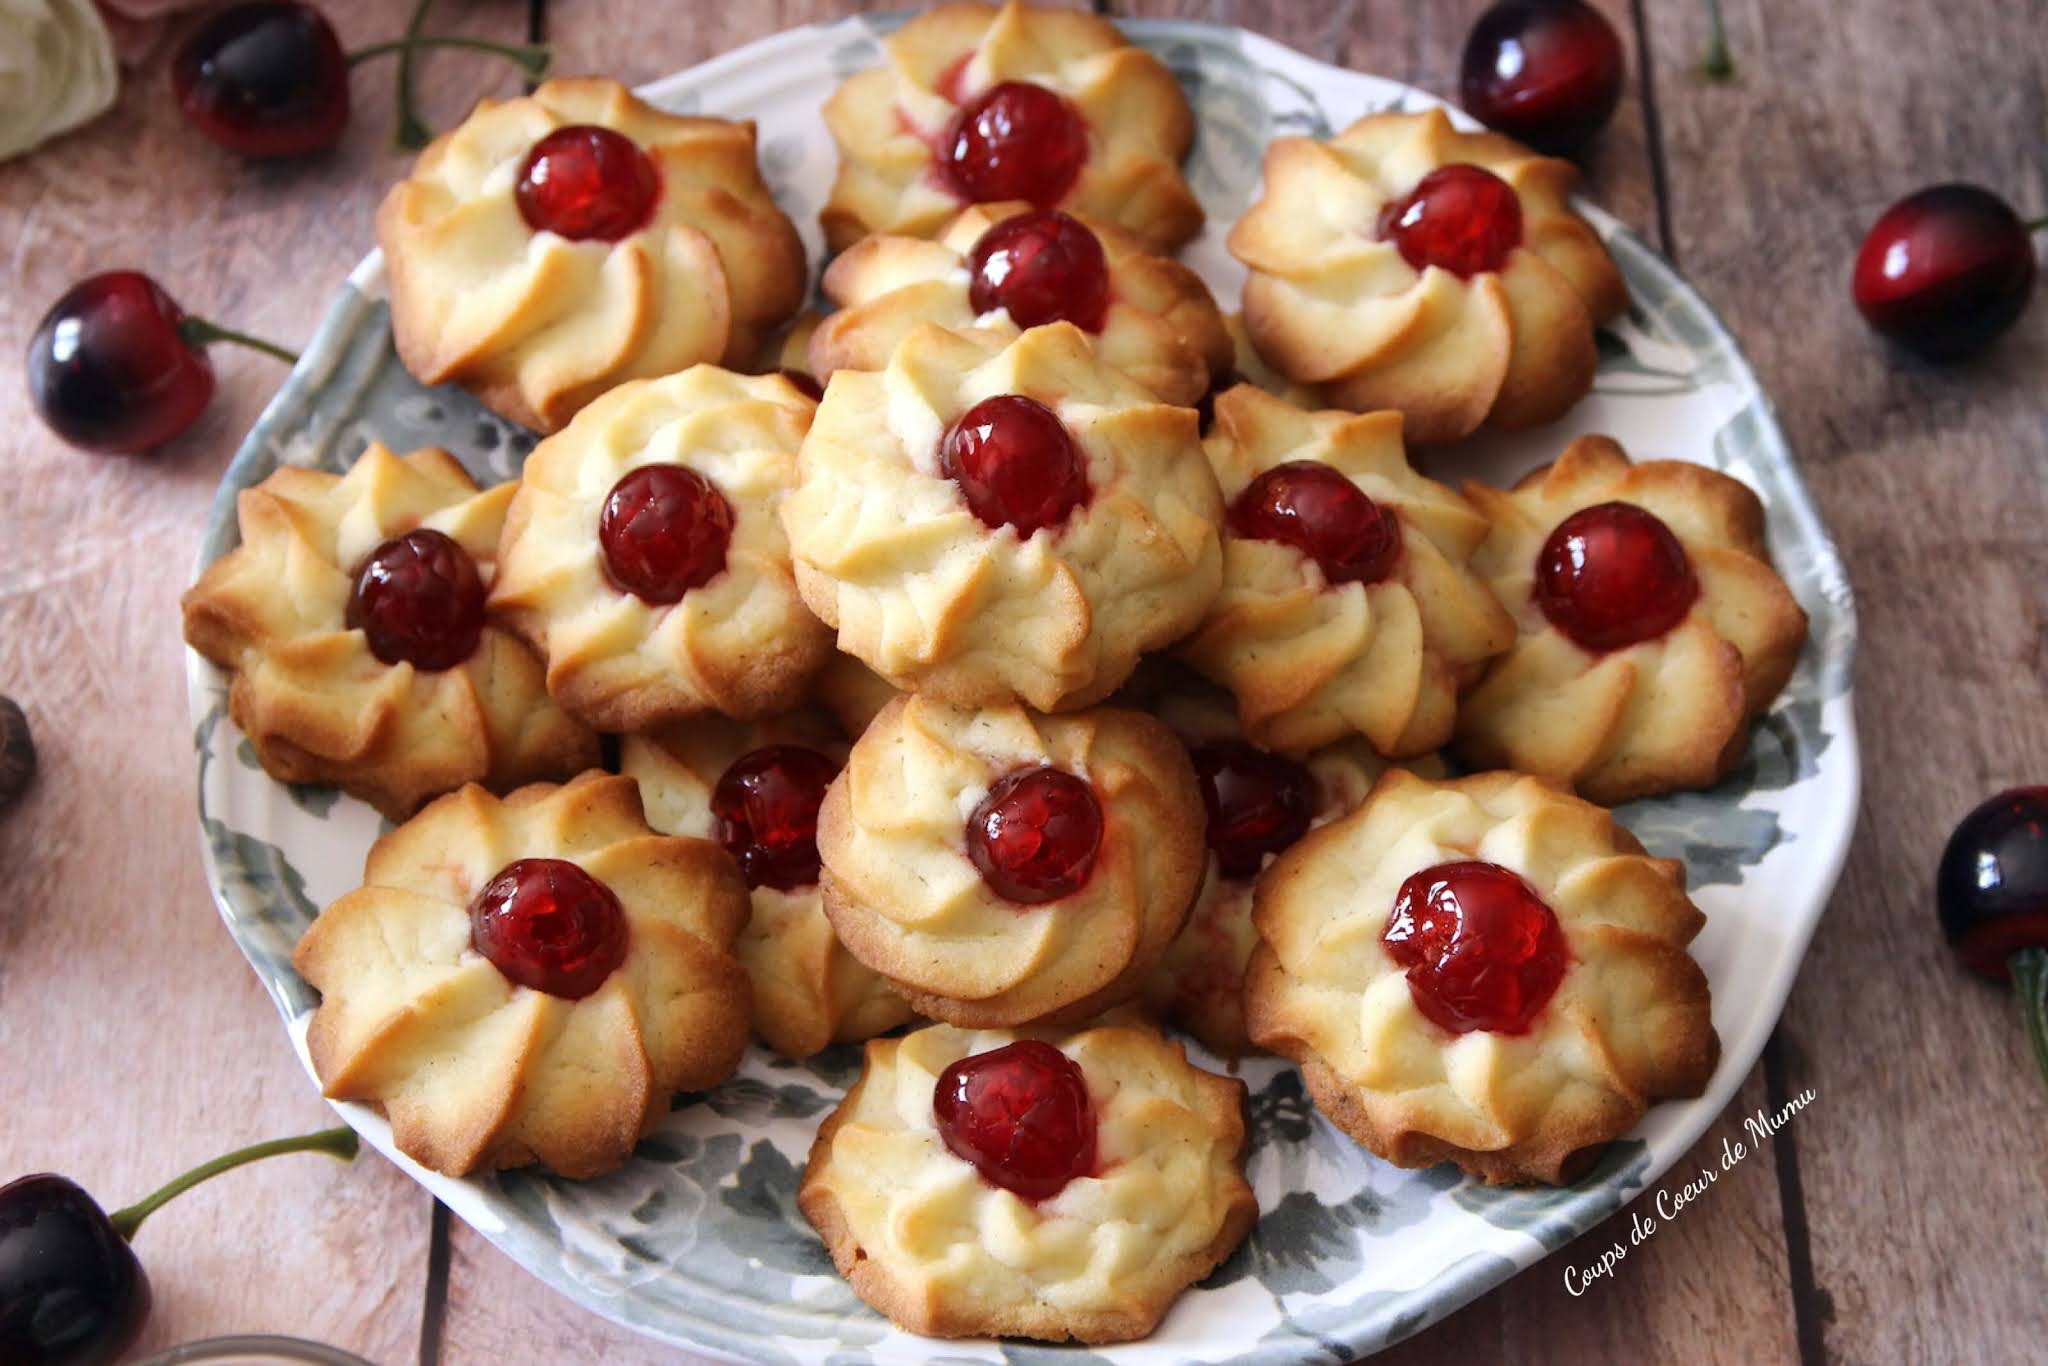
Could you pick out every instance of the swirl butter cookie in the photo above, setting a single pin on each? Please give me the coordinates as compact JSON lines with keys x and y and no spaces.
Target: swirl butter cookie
{"x":1403,"y":264}
{"x":1009,"y":267}
{"x":1038,"y":1185}
{"x":1347,"y":607}
{"x":994,"y":519}
{"x":1486,"y":971}
{"x":1002,"y":867}
{"x":755,"y":788}
{"x":529,"y":980}
{"x":1652,"y":628}
{"x":550,"y":246}
{"x":977,"y":105}
{"x":644,"y":556}
{"x":351,"y":622}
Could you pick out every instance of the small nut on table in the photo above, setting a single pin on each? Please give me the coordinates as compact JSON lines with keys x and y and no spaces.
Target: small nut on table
{"x":17,"y":753}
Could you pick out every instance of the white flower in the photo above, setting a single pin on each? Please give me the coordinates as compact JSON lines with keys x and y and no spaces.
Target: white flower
{"x":56,"y":70}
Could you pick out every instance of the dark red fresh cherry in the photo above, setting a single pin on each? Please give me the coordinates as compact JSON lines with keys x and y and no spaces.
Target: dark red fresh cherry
{"x":1021,"y":1115}
{"x":1991,"y":892}
{"x":1258,"y":803}
{"x":1992,"y":889}
{"x":109,"y":370}
{"x":418,"y":600}
{"x":72,"y":1292}
{"x":1613,"y":575}
{"x":664,"y":530}
{"x":766,"y":808}
{"x":587,"y":183}
{"x":1462,"y":218}
{"x":264,"y":79}
{"x":1481,"y":949}
{"x":805,"y":384}
{"x":1546,"y":72}
{"x":1035,"y":835}
{"x":71,"y":1289}
{"x":1044,"y":267}
{"x":17,"y":752}
{"x":1945,"y":270}
{"x":1015,"y":140}
{"x":1015,"y":464}
{"x":548,"y":925}
{"x":1325,"y":516}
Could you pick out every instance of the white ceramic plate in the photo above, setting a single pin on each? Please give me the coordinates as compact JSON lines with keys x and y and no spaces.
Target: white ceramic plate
{"x":697,"y":1239}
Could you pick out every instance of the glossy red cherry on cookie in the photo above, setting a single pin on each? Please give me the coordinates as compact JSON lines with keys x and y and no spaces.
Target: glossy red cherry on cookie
{"x":1021,"y":1115}
{"x":587,"y":183}
{"x":1015,"y":464}
{"x":1258,"y":803}
{"x":1461,"y":218}
{"x":1482,"y":949}
{"x":1015,"y":140}
{"x":108,"y":369}
{"x":418,"y":600}
{"x":1613,"y":575}
{"x":663,"y":531}
{"x":1946,"y":270}
{"x":265,"y":79}
{"x":1547,"y":72}
{"x":548,"y":925}
{"x":1323,"y":515}
{"x":1035,"y":835}
{"x":1044,"y":267}
{"x":766,"y":808}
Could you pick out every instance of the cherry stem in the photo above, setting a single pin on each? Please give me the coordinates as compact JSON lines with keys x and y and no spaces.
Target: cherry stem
{"x":413,"y":133}
{"x":2029,"y":969}
{"x":1717,"y":65}
{"x":339,"y":1143}
{"x":533,"y":60}
{"x":2036,"y":224}
{"x":200,"y":332}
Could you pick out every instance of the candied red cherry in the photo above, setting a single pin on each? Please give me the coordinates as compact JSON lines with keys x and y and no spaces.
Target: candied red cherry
{"x":1021,"y":1115}
{"x":1015,"y":464}
{"x":266,"y":79}
{"x":71,"y":1288}
{"x":548,"y":925}
{"x":766,"y":809}
{"x":1258,"y":803}
{"x":1613,"y":575}
{"x":1044,"y":267}
{"x":110,"y":369}
{"x":1035,"y":835}
{"x":1482,"y":949}
{"x":1015,"y":140}
{"x":1546,"y":72}
{"x":1461,"y":218}
{"x":418,"y":600}
{"x":1945,"y":270}
{"x":663,"y":531}
{"x":587,"y":183}
{"x":1991,"y":893}
{"x":1323,"y":515}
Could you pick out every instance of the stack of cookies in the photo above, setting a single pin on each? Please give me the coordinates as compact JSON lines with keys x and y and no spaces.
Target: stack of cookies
{"x":1023,"y":653}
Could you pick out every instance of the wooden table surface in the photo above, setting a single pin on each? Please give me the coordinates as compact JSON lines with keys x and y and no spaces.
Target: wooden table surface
{"x":1900,"y":1216}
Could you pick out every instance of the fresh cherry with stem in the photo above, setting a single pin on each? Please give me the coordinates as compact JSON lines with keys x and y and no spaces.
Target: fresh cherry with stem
{"x":1991,"y":893}
{"x":117,"y":366}
{"x":1945,"y":270}
{"x":268,"y":78}
{"x":72,"y":1291}
{"x":1548,"y":72}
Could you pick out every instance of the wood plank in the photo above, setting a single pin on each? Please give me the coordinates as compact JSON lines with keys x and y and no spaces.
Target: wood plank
{"x":1921,"y":1152}
{"x":134,"y":1041}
